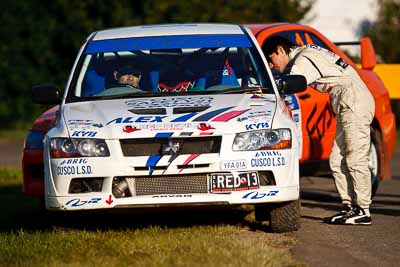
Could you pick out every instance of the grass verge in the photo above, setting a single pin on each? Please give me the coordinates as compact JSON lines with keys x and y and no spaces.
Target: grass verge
{"x":15,"y":136}
{"x":31,"y":237}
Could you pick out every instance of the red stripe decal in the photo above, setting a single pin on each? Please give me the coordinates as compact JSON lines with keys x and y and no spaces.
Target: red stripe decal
{"x":189,"y":159}
{"x":229,"y":115}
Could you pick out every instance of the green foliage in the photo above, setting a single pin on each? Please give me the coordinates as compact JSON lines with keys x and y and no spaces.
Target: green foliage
{"x":42,"y":38}
{"x":385,"y":35}
{"x":385,"y":32}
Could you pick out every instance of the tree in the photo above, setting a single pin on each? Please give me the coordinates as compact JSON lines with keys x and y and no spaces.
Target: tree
{"x":385,"y":32}
{"x":44,"y":36}
{"x":385,"y":35}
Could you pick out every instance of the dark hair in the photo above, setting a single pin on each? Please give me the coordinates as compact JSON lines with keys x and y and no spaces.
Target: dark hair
{"x":271,"y":44}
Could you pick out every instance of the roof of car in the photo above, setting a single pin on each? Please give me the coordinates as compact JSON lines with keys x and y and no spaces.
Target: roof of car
{"x":168,"y":30}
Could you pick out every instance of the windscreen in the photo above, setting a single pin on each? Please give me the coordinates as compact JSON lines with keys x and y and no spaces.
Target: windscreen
{"x":189,"y":64}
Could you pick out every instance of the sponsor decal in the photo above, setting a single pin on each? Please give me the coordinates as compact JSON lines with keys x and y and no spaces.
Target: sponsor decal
{"x":227,"y":182}
{"x":84,"y":134}
{"x":257,"y":195}
{"x":77,"y":202}
{"x":268,"y":159}
{"x":170,"y":102}
{"x":130,"y":129}
{"x":109,"y":200}
{"x":254,"y":115}
{"x":74,"y":167}
{"x":291,"y":101}
{"x":257,"y":126}
{"x":205,"y":127}
{"x":141,"y":119}
{"x":164,"y":196}
{"x":239,"y":164}
{"x":83,"y":124}
{"x":296,"y":117}
{"x":166,"y":126}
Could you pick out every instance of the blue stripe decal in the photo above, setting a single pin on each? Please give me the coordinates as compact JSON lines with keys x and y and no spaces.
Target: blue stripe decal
{"x":209,"y":115}
{"x":151,"y":162}
{"x":163,"y":135}
{"x":169,"y":42}
{"x":184,"y":117}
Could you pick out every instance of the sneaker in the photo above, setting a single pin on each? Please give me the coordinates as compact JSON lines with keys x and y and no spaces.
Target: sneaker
{"x":342,"y":213}
{"x":355,"y":216}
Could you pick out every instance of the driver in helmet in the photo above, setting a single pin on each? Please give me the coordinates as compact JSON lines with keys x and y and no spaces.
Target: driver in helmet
{"x":127,"y":76}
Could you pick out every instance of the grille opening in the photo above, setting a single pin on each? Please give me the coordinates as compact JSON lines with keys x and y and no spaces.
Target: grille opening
{"x":144,"y":168}
{"x":266,"y":178}
{"x":159,"y":185}
{"x":85,"y":185}
{"x":157,"y":146}
{"x":193,"y":166}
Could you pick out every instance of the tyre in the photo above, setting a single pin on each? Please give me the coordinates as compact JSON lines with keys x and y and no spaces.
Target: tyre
{"x":283,"y":217}
{"x":374,"y":161}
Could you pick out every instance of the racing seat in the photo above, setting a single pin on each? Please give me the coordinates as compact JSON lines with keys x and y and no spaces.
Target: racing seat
{"x":149,"y":81}
{"x":229,"y":76}
{"x":93,"y":83}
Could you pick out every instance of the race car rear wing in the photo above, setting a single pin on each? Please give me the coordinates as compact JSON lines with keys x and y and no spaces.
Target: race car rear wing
{"x":368,"y":56}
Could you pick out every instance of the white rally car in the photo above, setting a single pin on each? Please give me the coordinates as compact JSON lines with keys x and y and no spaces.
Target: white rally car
{"x":198,"y":119}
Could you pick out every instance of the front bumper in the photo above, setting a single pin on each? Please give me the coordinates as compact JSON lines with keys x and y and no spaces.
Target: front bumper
{"x":108,"y":201}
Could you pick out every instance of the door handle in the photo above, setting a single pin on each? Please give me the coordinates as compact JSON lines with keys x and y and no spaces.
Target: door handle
{"x":305,"y":96}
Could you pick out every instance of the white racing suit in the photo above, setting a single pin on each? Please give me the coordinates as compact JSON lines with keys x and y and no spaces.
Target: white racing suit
{"x":354,"y":107}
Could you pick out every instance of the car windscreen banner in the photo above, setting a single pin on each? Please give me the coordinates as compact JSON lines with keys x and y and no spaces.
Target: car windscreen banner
{"x":168,"y":42}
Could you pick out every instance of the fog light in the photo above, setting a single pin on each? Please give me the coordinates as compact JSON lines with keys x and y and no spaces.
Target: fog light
{"x":266,"y":178}
{"x":85,"y":185}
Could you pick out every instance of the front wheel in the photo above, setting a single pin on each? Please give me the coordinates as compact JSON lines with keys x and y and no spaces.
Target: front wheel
{"x":283,"y":217}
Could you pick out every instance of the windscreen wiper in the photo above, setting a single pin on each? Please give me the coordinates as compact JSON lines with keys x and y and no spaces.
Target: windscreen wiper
{"x":235,"y":90}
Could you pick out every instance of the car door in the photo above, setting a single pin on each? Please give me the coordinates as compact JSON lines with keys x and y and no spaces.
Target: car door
{"x":311,"y":109}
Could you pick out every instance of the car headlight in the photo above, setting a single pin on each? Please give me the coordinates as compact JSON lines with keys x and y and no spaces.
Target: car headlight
{"x":73,"y":148}
{"x":263,"y":140}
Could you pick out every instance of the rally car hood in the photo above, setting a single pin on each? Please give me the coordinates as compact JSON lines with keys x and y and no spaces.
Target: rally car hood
{"x":169,"y":116}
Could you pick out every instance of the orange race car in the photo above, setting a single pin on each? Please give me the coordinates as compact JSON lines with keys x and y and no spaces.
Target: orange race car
{"x":311,"y":109}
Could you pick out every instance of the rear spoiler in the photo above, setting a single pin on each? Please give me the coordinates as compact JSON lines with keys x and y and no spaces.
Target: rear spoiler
{"x":368,"y":56}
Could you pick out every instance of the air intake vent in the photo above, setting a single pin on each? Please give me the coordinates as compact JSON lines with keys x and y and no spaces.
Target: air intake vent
{"x":181,"y":110}
{"x":159,"y":146}
{"x":149,"y":111}
{"x":168,"y":184}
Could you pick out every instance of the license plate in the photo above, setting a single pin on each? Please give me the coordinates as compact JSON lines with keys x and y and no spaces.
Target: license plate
{"x":227,"y":182}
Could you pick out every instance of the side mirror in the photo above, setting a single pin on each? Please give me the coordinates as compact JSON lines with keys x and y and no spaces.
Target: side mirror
{"x":291,"y":84}
{"x":46,"y":94}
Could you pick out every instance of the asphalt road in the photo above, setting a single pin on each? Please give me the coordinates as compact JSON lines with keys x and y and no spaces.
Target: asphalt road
{"x":322,"y":244}
{"x":333,"y":245}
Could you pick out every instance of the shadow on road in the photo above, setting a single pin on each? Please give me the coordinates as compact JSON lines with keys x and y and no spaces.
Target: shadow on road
{"x":24,"y":213}
{"x":320,"y":193}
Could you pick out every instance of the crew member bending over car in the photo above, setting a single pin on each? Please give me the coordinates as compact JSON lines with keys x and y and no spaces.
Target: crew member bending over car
{"x":354,"y":107}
